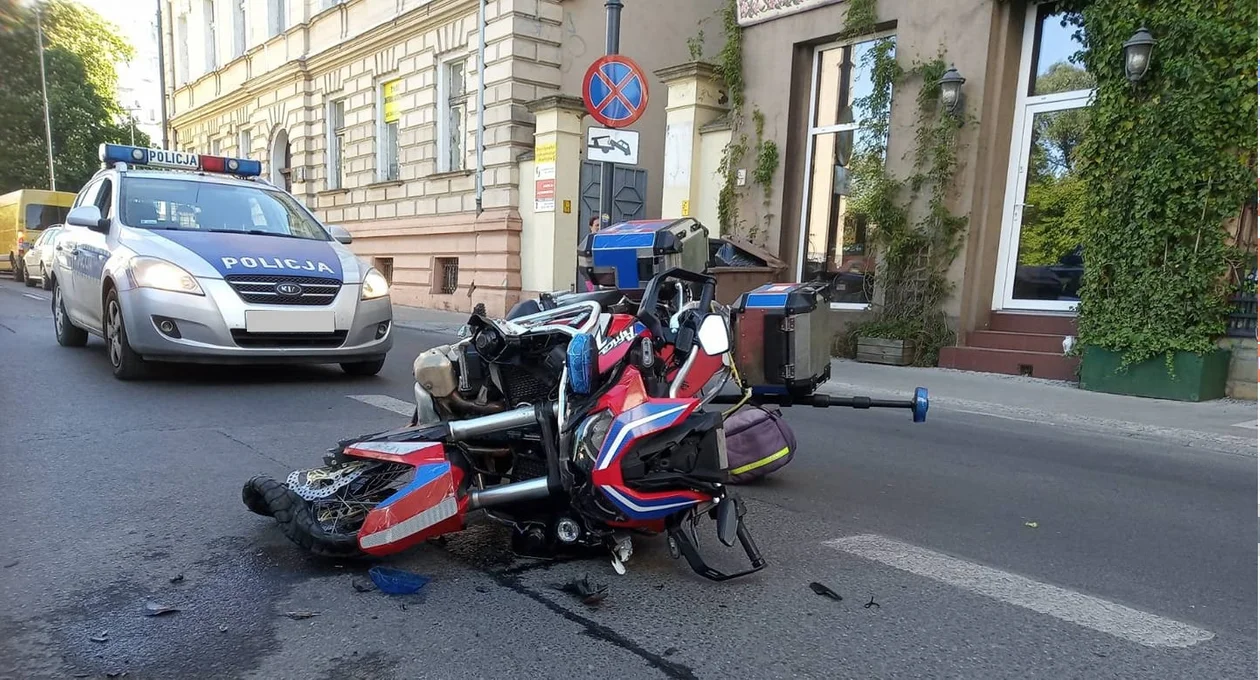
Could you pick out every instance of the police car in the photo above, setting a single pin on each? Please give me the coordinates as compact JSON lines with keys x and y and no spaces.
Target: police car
{"x":191,"y":258}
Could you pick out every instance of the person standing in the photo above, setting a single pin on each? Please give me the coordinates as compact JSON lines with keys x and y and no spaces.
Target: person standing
{"x":593,"y":227}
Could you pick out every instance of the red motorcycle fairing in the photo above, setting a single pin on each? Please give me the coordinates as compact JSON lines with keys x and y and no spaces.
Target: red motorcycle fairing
{"x":638,"y":416}
{"x":425,"y":508}
{"x":623,"y":330}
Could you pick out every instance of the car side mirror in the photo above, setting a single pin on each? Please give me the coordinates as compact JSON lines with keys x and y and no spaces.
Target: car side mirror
{"x":340,"y":235}
{"x":88,"y":216}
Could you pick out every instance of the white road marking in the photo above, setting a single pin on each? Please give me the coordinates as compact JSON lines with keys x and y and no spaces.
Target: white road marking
{"x":1249,"y":425}
{"x":1067,"y":605}
{"x":386,"y":402}
{"x":35,"y":297}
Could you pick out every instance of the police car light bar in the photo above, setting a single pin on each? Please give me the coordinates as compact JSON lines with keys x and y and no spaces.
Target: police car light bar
{"x":160,"y":158}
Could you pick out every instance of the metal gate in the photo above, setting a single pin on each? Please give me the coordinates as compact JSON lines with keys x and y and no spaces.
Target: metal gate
{"x":629,"y":194}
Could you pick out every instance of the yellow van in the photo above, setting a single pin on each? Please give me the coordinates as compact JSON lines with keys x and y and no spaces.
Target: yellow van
{"x":24,"y":214}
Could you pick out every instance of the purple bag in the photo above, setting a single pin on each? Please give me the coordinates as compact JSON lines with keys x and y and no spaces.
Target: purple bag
{"x":758,"y":442}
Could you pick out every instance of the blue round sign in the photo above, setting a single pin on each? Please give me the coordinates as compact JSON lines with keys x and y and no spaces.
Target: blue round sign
{"x":615,"y":91}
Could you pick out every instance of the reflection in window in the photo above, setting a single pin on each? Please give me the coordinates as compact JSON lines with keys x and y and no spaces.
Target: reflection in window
{"x":838,"y":243}
{"x":1050,"y":261}
{"x":1055,"y":66}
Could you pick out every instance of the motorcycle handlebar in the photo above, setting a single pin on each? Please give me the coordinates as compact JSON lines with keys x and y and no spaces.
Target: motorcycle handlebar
{"x":918,"y":405}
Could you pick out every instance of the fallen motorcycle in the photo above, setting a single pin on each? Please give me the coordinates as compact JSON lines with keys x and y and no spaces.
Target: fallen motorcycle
{"x":575,"y":426}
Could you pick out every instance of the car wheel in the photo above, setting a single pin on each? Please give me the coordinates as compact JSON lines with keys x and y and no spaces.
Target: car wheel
{"x":18,"y":274}
{"x":30,"y":282}
{"x":364,"y":368}
{"x":68,"y":335}
{"x":44,"y":278}
{"x":126,"y":363}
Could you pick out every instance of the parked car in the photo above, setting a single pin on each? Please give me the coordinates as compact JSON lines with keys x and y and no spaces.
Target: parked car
{"x":37,"y":262}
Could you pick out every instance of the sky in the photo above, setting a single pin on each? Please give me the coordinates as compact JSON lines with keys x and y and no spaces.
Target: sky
{"x":138,"y":84}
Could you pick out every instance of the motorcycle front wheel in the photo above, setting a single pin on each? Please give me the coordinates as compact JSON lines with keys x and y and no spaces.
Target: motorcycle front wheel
{"x":324,"y":521}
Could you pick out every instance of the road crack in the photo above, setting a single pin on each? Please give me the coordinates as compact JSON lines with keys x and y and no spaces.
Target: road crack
{"x":251,"y":448}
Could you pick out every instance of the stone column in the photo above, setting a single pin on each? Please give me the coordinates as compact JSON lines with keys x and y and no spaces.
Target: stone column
{"x":557,"y":168}
{"x":692,"y":101}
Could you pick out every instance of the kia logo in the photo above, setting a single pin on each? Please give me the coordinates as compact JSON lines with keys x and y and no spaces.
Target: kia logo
{"x":288,"y":289}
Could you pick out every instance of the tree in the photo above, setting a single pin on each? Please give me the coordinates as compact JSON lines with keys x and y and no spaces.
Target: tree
{"x":80,"y":50}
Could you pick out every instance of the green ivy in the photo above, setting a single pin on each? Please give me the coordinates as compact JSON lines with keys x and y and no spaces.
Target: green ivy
{"x":1165,"y":164}
{"x":914,"y":255}
{"x":767,"y":157}
{"x":730,"y":68}
{"x":860,"y":18}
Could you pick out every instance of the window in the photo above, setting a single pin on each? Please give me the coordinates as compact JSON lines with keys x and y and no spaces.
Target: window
{"x":845,"y":136}
{"x":39,"y":216}
{"x":387,"y":132}
{"x":244,"y":142}
{"x":181,"y":45}
{"x":277,"y":19}
{"x":385,"y":265}
{"x":105,"y":199}
{"x":212,"y":40}
{"x":452,"y":106}
{"x":214,"y":147}
{"x":446,"y":270}
{"x":336,"y":144}
{"x":238,"y":28}
{"x":168,"y":203}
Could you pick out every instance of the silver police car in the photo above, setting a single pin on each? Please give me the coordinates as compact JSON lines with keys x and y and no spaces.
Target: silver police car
{"x":204,"y":262}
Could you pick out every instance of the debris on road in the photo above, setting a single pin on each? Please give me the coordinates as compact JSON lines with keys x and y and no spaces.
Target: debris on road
{"x":298,"y":616}
{"x":14,"y":563}
{"x":223,"y":628}
{"x":591,"y":594}
{"x":870,"y":604}
{"x":1030,"y":525}
{"x":362,"y":586}
{"x":825,"y":591}
{"x":397,"y":581}
{"x":103,"y":636}
{"x":177,"y":578}
{"x":155,"y":609}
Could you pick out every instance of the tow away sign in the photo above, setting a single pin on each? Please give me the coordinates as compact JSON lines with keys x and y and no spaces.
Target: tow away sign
{"x":612,"y":146}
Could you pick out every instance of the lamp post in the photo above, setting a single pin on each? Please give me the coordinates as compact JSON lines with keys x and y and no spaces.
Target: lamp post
{"x":43,"y":83}
{"x":1137,"y":55}
{"x":951,"y":89}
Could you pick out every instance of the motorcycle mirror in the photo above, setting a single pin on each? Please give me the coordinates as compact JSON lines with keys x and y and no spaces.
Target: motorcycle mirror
{"x":714,"y":339}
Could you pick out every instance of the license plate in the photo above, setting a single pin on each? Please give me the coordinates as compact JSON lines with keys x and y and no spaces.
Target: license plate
{"x":289,"y":321}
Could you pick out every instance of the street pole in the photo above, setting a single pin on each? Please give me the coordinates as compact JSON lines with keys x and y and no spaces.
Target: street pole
{"x":612,"y":45}
{"x":161,"y":41}
{"x":43,"y":83}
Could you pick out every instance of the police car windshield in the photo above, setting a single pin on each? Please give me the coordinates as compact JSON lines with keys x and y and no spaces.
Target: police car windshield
{"x":189,"y":205}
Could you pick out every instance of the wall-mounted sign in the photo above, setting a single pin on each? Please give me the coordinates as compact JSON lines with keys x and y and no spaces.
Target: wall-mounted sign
{"x":756,"y":11}
{"x":389,"y":92}
{"x":545,"y":177}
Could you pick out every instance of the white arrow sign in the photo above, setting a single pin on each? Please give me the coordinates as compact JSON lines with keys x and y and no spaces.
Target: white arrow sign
{"x":612,"y":146}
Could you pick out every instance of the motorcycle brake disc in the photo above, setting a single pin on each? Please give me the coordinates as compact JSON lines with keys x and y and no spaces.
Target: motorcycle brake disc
{"x":319,"y":483}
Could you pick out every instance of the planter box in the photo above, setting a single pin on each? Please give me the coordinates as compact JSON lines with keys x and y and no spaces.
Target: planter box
{"x":1197,"y":377}
{"x":882,"y":351}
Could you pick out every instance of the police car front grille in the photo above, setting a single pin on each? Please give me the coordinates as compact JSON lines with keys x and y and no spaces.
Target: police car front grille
{"x":261,"y":289}
{"x":318,"y":340}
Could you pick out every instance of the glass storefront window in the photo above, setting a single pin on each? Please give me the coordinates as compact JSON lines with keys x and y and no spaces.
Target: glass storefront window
{"x":837,"y":246}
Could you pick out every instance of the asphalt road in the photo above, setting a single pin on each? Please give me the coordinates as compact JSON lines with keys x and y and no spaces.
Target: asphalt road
{"x":993,"y":549}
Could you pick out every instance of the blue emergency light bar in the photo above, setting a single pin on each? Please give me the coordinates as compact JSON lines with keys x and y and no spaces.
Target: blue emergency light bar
{"x":161,"y":158}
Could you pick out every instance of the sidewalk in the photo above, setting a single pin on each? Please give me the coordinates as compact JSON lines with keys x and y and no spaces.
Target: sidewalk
{"x":1225,"y":425}
{"x":429,"y":320}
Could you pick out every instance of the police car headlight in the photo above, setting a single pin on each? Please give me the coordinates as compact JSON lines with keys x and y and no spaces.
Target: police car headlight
{"x":150,"y":272}
{"x":374,"y":285}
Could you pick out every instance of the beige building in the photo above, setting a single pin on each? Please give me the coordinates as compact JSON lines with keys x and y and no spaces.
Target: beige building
{"x":367,"y":110}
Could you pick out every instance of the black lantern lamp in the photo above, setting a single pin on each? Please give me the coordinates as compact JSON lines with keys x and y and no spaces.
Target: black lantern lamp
{"x":1137,"y":55}
{"x":951,"y":89}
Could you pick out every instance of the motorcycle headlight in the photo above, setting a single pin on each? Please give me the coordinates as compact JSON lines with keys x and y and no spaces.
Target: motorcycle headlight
{"x":590,"y":437}
{"x":374,"y":285}
{"x":150,"y":272}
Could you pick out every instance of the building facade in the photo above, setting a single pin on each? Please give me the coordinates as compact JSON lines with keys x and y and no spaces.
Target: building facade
{"x":1017,"y":275}
{"x":367,"y":110}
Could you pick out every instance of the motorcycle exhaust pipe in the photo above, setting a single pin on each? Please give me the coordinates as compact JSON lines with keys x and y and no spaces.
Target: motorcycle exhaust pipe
{"x":517,"y":492}
{"x":524,"y":416}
